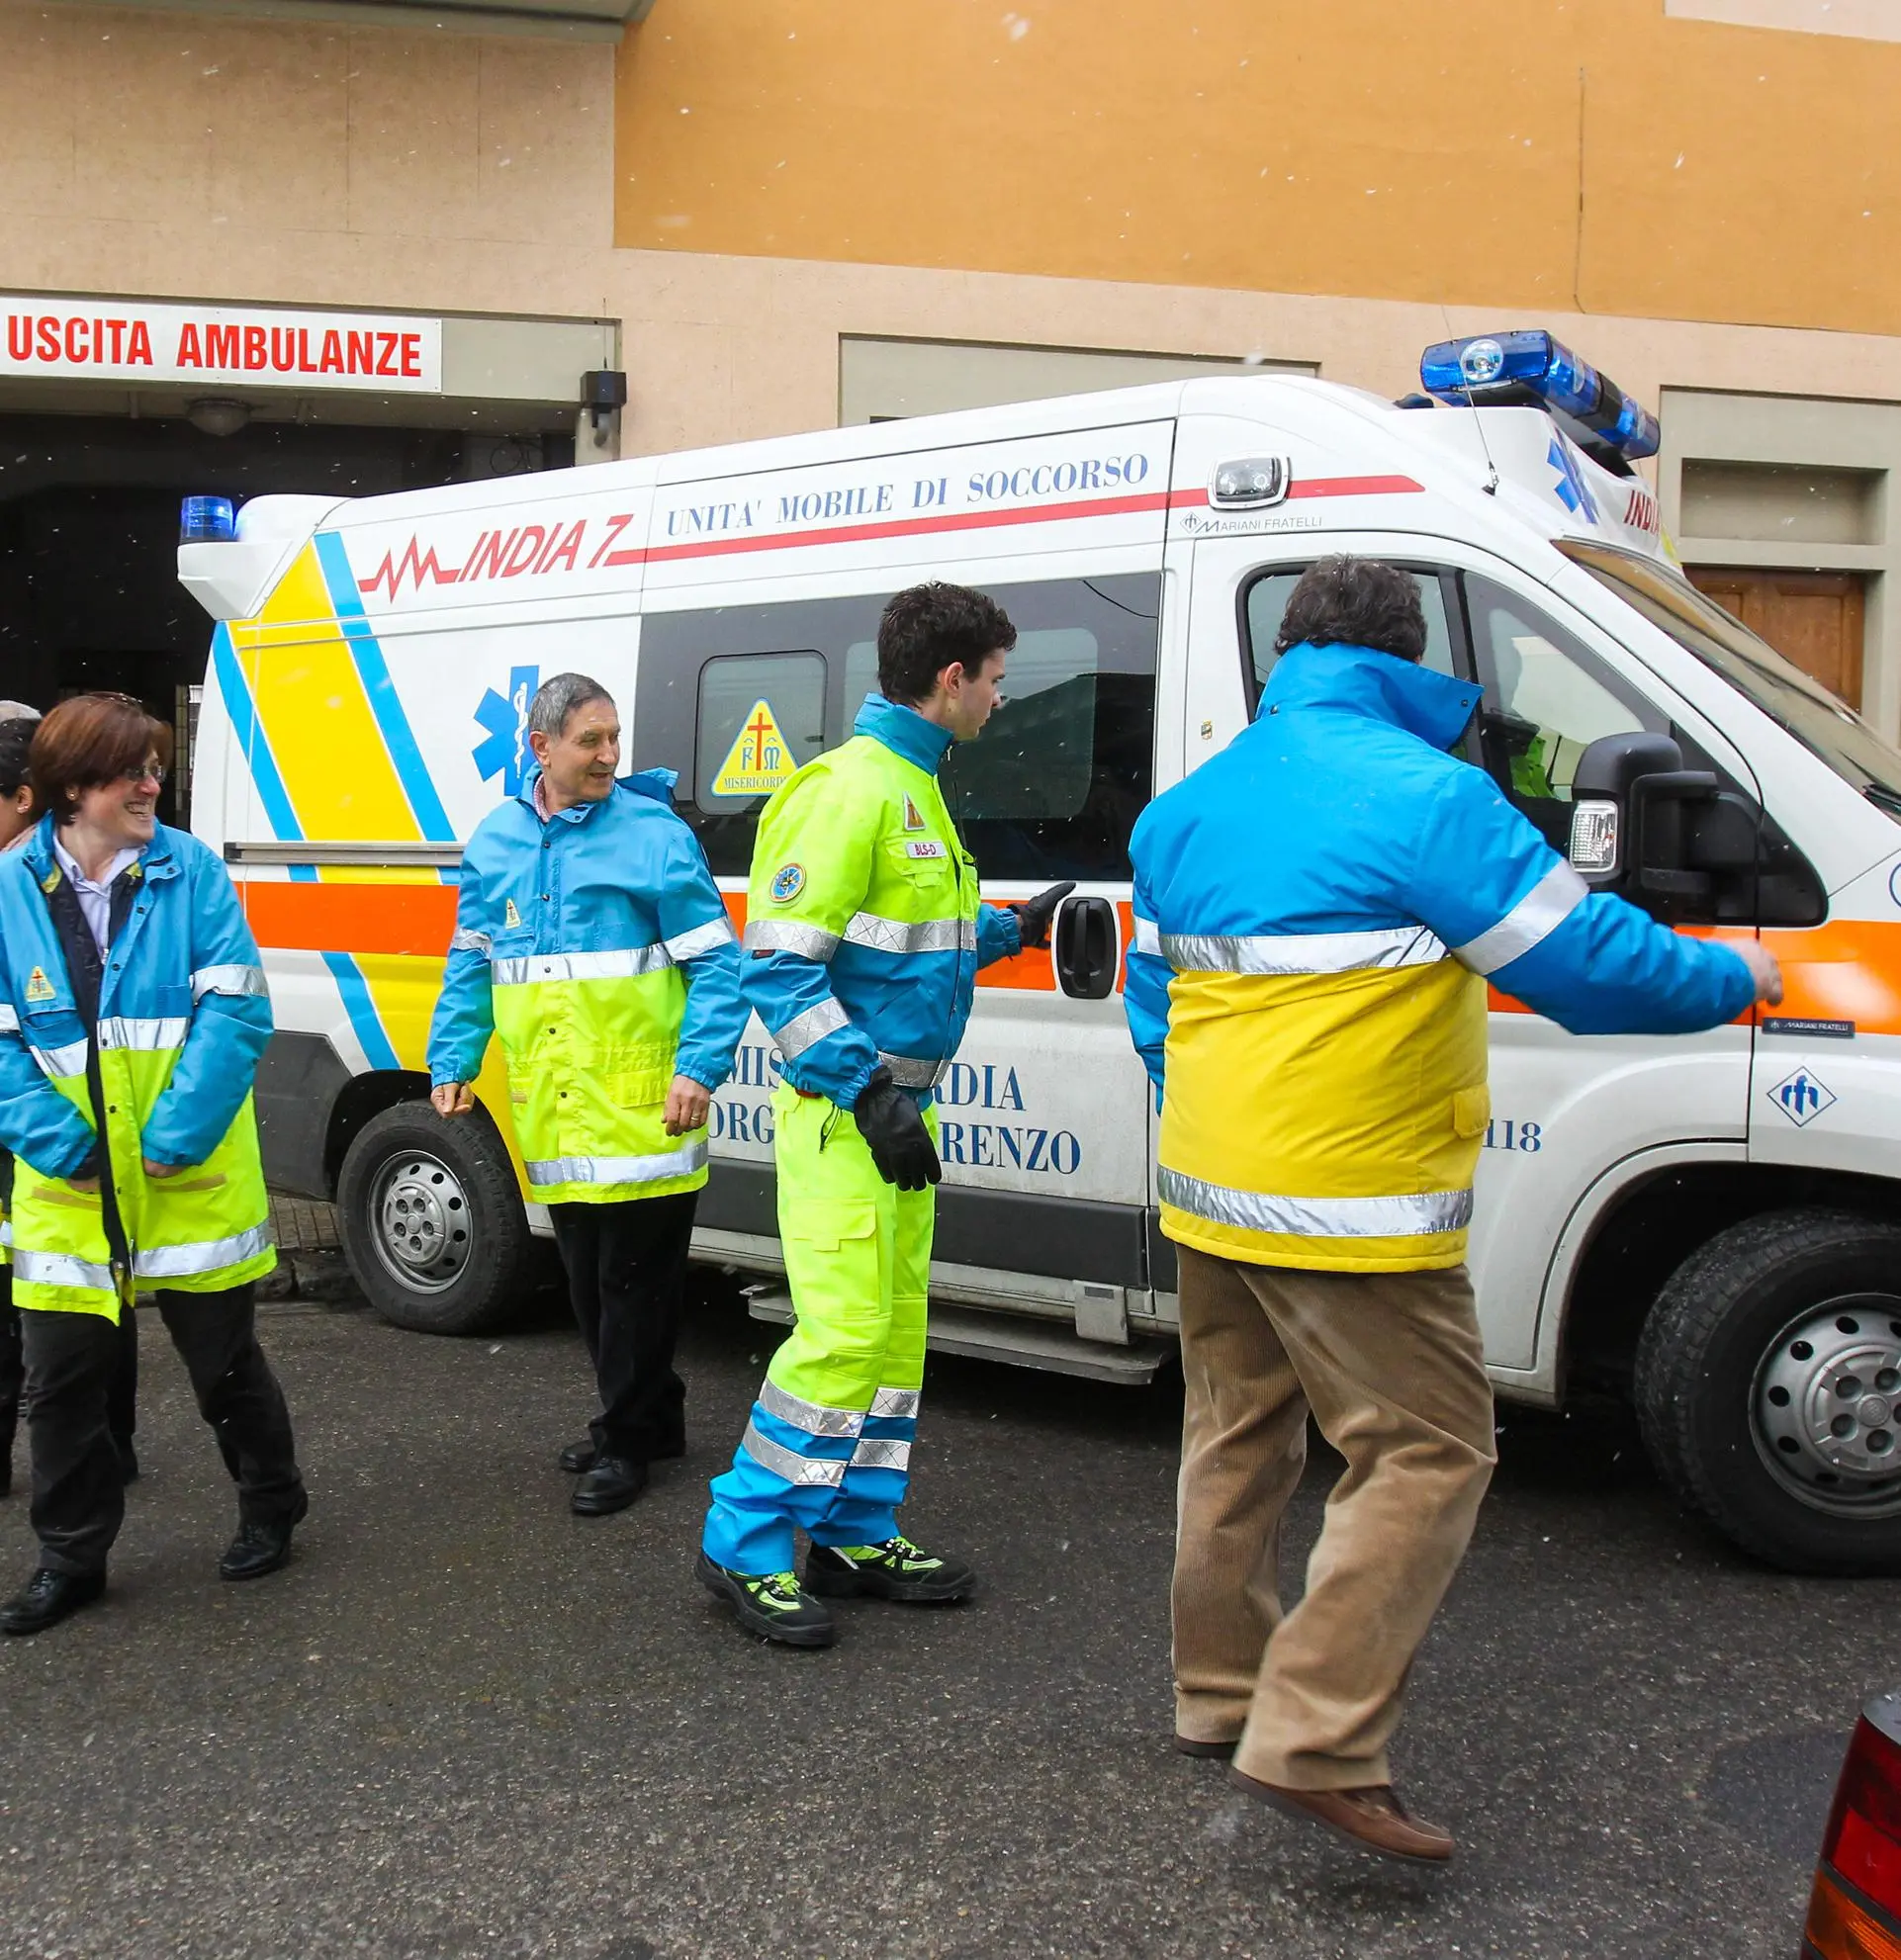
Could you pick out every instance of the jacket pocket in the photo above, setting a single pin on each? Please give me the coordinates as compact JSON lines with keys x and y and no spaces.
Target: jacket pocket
{"x":1472,"y":1110}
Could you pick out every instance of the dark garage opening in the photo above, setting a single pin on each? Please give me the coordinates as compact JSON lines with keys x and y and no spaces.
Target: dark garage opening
{"x":89,"y":592}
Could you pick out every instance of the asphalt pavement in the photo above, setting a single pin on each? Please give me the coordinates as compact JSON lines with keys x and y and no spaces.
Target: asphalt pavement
{"x":466,"y":1722}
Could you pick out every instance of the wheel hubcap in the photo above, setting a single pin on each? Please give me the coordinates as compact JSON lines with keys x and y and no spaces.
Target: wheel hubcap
{"x":421,"y":1216}
{"x":1827,"y":1406}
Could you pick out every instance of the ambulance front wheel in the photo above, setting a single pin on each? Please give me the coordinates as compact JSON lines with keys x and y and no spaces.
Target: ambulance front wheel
{"x":432,"y":1222}
{"x":1768,"y":1388}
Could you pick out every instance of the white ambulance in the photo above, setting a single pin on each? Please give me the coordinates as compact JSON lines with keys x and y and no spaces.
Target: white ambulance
{"x":1707,"y":1225}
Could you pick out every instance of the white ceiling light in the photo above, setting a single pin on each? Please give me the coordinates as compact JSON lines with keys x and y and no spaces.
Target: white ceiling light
{"x":217,"y":414}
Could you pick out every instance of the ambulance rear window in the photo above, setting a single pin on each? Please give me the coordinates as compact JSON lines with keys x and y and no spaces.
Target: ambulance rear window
{"x":1824,"y":725}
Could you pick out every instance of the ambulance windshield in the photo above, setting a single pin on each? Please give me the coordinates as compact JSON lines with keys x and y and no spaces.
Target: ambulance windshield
{"x":1824,"y":725}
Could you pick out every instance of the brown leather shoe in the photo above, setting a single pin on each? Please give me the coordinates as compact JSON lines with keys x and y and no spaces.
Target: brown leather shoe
{"x":1372,"y":1818}
{"x":1187,"y":1747}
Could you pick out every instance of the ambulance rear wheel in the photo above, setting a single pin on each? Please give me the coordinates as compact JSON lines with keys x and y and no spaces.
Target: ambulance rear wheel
{"x":432,"y":1222}
{"x":1768,"y":1388}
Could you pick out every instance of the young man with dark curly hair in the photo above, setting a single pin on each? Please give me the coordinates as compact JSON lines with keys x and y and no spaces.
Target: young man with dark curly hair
{"x":864,"y":938}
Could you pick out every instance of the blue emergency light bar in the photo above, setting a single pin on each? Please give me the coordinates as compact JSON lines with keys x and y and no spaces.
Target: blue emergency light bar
{"x":207,"y":521}
{"x":1533,"y":369}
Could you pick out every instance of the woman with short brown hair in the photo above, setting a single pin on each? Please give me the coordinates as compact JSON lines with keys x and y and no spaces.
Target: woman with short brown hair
{"x":133,"y":1013}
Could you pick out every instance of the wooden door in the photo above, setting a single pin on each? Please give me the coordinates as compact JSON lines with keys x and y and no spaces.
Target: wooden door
{"x":1814,"y":618}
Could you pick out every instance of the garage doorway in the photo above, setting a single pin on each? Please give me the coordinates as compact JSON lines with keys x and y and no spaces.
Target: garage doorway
{"x":89,"y":591}
{"x":1813,"y":618}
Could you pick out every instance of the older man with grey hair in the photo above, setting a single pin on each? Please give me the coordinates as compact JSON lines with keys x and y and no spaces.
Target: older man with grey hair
{"x":592,"y":941}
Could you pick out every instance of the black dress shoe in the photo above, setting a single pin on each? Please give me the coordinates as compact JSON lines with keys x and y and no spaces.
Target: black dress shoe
{"x":47,"y":1598}
{"x":6,"y":1472}
{"x":611,"y":1485}
{"x":262,"y":1547}
{"x":578,"y":1459}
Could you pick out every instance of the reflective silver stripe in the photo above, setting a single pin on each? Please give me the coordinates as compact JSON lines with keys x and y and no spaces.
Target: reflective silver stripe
{"x":1542,"y":910}
{"x":1149,"y":937}
{"x":229,"y":980}
{"x":9,"y":1019}
{"x":1301,"y":952}
{"x":812,"y":1417}
{"x":62,"y":1063}
{"x":784,"y":1462}
{"x":881,"y":1453}
{"x":125,"y":1032}
{"x":909,"y":1072}
{"x":177,"y":1261}
{"x":813,"y":1025}
{"x":895,"y":1401}
{"x":922,"y":935}
{"x":789,"y":935}
{"x":680,"y":1163}
{"x":1418,"y":1215}
{"x":60,"y":1269}
{"x":716,"y":932}
{"x":468,"y":940}
{"x":624,"y":963}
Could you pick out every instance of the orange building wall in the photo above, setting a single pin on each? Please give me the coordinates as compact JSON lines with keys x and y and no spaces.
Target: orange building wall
{"x":1586,"y":156}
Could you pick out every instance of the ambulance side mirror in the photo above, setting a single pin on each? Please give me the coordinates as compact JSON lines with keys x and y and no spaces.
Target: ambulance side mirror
{"x":1087,"y":946}
{"x":1660,"y":834}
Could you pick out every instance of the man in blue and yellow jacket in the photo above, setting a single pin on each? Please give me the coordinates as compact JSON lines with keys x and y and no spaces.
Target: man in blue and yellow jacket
{"x":864,"y":938}
{"x":1318,"y":912}
{"x":591,"y":939}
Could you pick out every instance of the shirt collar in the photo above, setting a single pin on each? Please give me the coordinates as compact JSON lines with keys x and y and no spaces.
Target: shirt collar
{"x":530,"y":794}
{"x":70,"y":866}
{"x":1360,"y":680}
{"x":903,"y":731}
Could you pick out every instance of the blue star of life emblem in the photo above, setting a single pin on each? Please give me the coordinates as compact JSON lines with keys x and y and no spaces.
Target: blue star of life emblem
{"x":505,"y":749}
{"x":1572,"y":490}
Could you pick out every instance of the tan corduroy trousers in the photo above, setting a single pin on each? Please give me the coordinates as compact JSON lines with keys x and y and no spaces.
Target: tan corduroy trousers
{"x":1392,"y":1367}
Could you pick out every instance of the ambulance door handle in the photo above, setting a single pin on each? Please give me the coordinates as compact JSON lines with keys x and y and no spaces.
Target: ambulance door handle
{"x":1086,"y":949}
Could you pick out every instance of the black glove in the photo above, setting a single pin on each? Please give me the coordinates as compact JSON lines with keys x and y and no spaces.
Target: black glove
{"x":893,"y":1129}
{"x":1035,"y":914}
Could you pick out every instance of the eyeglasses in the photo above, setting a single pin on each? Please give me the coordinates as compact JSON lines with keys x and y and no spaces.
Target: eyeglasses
{"x":145,"y":772}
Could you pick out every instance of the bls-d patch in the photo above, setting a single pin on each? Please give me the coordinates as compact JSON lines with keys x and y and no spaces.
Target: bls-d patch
{"x":787,"y":882}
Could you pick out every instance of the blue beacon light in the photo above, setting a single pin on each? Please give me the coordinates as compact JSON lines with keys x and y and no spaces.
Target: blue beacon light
{"x":1531,"y":368}
{"x":207,"y":521}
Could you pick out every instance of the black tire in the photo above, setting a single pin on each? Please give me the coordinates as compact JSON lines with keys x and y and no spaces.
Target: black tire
{"x":1725,"y":1338}
{"x":451,"y":1181}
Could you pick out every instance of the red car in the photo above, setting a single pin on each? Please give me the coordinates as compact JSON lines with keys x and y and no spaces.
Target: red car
{"x":1855,"y":1911}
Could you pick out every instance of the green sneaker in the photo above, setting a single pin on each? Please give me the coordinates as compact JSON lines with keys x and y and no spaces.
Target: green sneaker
{"x":896,"y":1570}
{"x":769,"y":1604}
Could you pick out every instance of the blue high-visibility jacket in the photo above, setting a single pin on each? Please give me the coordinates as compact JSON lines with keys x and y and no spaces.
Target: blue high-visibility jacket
{"x":1318,"y":910}
{"x":184,"y":974}
{"x":161,"y":1073}
{"x":609,"y":911}
{"x":863,"y":931}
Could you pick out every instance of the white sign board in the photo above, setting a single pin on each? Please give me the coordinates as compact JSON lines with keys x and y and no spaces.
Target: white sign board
{"x":107,"y":339}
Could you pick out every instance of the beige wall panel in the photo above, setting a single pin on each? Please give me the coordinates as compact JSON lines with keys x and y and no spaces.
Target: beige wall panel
{"x":38,"y":76}
{"x":546,"y":142}
{"x":414,"y":136}
{"x":141,"y":146}
{"x":277,"y":107}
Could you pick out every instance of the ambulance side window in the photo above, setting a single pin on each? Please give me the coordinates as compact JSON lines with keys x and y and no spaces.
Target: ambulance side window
{"x":1264,"y":604}
{"x":1547,"y":698}
{"x":1053,"y":786}
{"x":761,"y":717}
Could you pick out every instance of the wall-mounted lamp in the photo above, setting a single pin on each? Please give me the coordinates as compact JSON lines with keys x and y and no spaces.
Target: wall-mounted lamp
{"x":604,"y":391}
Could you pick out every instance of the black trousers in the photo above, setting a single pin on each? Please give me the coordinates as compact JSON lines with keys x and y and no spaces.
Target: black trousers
{"x":626,"y":1267}
{"x":122,"y":1398}
{"x":78,"y":1492}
